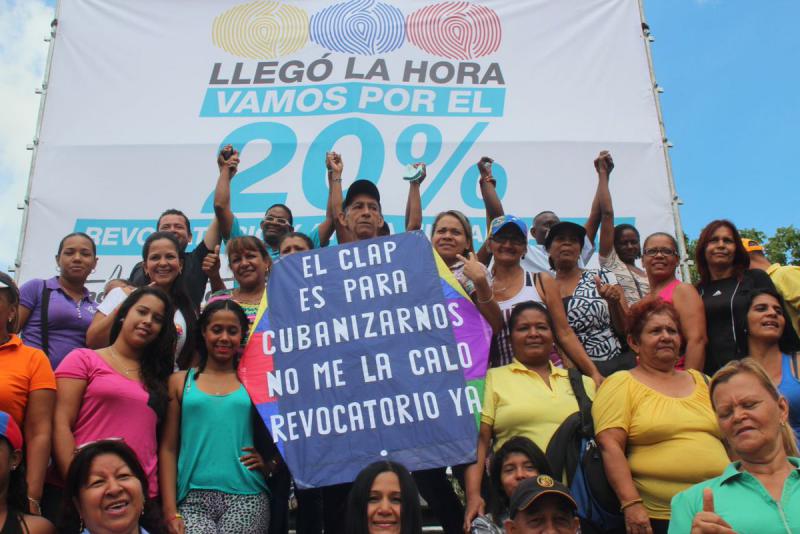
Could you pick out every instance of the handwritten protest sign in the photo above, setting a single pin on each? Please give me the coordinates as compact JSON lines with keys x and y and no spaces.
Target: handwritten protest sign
{"x":365,"y":351}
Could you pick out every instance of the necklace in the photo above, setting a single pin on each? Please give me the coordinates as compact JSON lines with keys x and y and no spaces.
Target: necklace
{"x":118,"y":359}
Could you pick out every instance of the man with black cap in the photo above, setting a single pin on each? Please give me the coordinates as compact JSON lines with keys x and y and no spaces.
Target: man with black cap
{"x":542,"y":505}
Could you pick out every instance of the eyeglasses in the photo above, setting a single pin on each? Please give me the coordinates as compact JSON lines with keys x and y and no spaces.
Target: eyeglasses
{"x":276,"y":220}
{"x":656,"y":251}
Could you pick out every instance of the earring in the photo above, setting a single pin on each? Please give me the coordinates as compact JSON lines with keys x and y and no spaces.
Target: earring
{"x":81,"y":525}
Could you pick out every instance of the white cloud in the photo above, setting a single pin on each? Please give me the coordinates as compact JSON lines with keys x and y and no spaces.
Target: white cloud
{"x":23,"y":54}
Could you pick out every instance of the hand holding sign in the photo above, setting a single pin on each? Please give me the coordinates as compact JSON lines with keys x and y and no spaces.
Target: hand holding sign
{"x":707,"y":521}
{"x":372,"y":353}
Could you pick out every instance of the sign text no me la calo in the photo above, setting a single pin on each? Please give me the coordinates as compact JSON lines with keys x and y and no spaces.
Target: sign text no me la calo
{"x":366,"y":351}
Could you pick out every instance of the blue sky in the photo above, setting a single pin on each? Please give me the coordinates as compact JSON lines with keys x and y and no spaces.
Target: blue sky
{"x":731,"y":71}
{"x":731,"y":107}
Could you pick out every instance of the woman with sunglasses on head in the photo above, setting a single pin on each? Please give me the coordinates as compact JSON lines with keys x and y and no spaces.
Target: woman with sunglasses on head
{"x":726,"y":283}
{"x":119,"y":391}
{"x":661,"y":258}
{"x":108,"y":492}
{"x":13,"y":489}
{"x":59,"y":324}
{"x":212,"y":477}
{"x":27,"y":392}
{"x":512,"y":285}
{"x":163,"y":264}
{"x":619,"y":245}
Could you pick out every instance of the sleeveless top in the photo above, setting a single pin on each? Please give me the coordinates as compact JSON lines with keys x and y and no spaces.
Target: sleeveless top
{"x":501,"y":352}
{"x":214,"y":428}
{"x":790,"y":388}
{"x":669,"y":289}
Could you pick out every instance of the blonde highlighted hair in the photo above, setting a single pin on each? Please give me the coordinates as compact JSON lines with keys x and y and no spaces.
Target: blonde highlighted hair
{"x":749,"y":365}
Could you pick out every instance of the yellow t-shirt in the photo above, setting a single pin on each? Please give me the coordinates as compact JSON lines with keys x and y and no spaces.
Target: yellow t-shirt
{"x":517,"y":402}
{"x":673,"y":443}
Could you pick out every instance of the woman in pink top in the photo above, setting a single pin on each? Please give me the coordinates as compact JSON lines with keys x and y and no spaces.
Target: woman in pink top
{"x":660,"y":259}
{"x":119,"y":391}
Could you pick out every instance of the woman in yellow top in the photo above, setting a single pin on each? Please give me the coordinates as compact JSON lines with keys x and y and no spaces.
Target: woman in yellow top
{"x":528,"y":397}
{"x":660,"y":416}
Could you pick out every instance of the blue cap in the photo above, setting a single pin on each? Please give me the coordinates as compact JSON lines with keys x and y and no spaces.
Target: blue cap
{"x":504,"y":220}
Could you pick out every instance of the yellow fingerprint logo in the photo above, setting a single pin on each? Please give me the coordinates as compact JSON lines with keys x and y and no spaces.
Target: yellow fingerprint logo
{"x":261,"y":30}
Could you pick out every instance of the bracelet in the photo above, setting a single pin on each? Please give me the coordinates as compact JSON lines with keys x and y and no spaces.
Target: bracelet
{"x":177,"y":515}
{"x":630,"y":503}
{"x":487,"y":301}
{"x":336,"y":179}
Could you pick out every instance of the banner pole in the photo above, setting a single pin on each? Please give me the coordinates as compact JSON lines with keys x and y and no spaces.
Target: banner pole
{"x":34,"y":146}
{"x":675,"y":200}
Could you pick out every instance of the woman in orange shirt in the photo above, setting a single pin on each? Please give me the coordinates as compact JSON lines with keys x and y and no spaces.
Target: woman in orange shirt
{"x":27,"y":391}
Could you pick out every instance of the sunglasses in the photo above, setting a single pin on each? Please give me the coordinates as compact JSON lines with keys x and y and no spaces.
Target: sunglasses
{"x":82,"y":446}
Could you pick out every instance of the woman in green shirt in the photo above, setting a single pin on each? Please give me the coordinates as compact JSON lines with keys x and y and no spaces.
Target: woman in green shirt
{"x":214,"y":480}
{"x":761,"y":491}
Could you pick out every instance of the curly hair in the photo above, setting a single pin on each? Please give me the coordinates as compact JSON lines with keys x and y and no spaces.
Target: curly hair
{"x":157,"y":357}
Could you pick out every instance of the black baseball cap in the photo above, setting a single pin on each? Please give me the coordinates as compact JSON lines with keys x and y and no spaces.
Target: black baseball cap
{"x":531,"y":489}
{"x":564,"y":227}
{"x":362,"y":187}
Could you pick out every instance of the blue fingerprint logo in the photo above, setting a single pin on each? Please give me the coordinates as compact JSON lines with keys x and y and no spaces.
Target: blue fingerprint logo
{"x":365,"y":27}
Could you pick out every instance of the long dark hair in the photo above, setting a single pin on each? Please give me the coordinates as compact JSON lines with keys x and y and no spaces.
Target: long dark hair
{"x":499,"y":501}
{"x":78,"y":475}
{"x":410,"y":511}
{"x":789,"y":342}
{"x":17,"y":491}
{"x":179,"y":296}
{"x":741,"y":260}
{"x":157,"y":357}
{"x":205,"y":319}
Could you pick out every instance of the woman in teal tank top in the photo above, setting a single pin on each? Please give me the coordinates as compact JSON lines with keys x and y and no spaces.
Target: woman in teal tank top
{"x":213,"y":481}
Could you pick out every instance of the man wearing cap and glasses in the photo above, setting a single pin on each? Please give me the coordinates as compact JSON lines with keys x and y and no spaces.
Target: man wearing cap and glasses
{"x":542,"y":505}
{"x":785,"y":277}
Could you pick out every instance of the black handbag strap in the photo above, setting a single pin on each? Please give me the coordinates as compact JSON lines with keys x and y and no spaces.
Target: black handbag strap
{"x":45,"y":305}
{"x":584,"y":402}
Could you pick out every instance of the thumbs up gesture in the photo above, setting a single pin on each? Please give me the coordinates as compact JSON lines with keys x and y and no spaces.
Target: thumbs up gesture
{"x":707,"y":521}
{"x":211,"y":263}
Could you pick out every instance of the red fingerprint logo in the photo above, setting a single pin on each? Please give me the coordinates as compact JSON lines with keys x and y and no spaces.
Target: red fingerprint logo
{"x":456,"y":30}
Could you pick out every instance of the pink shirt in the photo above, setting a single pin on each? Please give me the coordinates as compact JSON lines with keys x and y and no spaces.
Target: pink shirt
{"x":113,"y":407}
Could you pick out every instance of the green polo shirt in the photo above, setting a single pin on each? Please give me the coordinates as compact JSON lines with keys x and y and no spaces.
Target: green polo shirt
{"x":742,"y":501}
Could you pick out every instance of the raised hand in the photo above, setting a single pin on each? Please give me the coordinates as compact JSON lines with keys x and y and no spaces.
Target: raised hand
{"x":228,"y":160}
{"x":334,"y":164}
{"x":485,"y":168}
{"x":604,"y":163}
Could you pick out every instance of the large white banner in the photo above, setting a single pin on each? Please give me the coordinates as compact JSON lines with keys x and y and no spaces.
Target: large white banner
{"x":143,"y":94}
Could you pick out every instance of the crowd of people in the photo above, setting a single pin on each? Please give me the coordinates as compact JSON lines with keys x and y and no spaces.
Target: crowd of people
{"x":128,"y":416}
